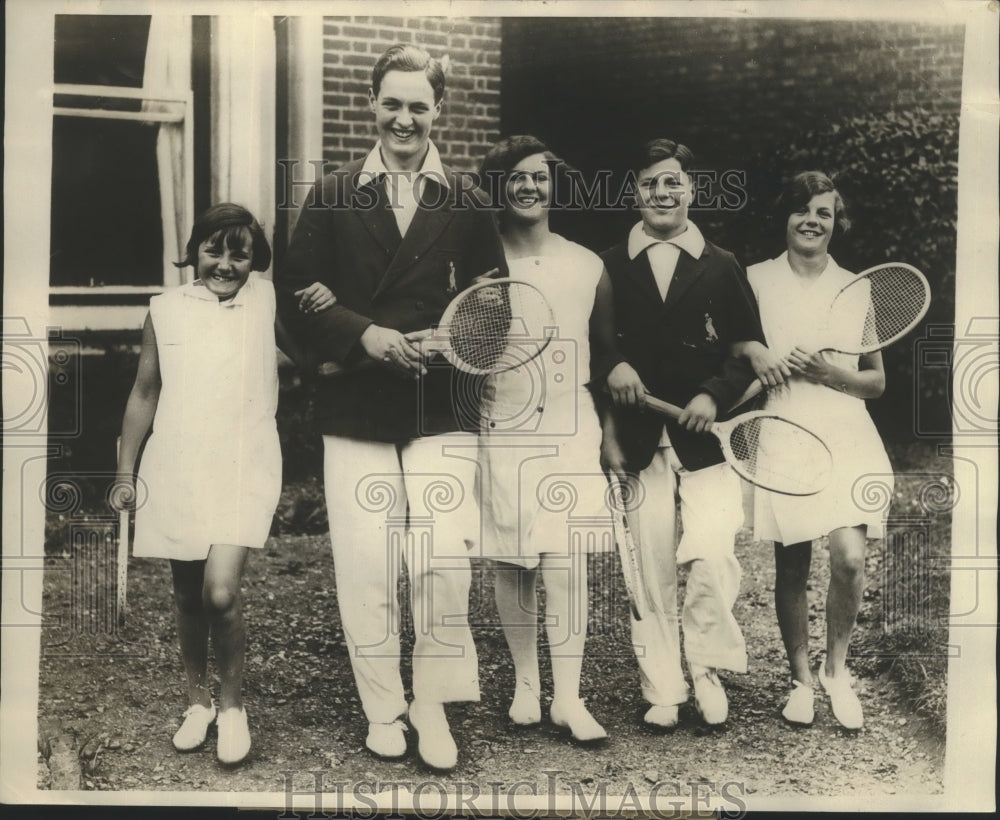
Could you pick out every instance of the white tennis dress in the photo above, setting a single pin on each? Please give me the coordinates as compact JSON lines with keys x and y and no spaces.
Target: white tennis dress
{"x":212,"y":466}
{"x":795,"y":311}
{"x":542,"y":485}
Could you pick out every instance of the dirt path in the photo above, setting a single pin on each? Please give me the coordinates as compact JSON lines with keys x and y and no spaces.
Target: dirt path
{"x":119,"y":698}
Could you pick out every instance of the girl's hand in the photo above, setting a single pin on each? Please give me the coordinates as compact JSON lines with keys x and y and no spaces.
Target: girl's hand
{"x":700,"y":413}
{"x":612,"y":455}
{"x":767,"y":367}
{"x":625,"y":386}
{"x":122,"y":496}
{"x":392,"y":349}
{"x":809,"y":364}
{"x":315,"y":298}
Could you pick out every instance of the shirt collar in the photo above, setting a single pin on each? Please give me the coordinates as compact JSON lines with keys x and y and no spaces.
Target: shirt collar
{"x":198,"y":290}
{"x":374,"y":168}
{"x":690,"y":240}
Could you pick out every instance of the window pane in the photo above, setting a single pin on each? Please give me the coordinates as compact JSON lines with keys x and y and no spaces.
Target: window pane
{"x":101,"y":49}
{"x":106,"y":226}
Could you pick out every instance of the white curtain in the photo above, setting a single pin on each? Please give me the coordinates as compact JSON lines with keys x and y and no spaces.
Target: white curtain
{"x":167,"y":72}
{"x":242,"y":104}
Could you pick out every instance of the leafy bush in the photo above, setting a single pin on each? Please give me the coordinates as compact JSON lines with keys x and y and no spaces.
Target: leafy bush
{"x":898,"y":173}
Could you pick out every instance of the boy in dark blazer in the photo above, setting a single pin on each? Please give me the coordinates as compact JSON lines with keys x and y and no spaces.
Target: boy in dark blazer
{"x":680,"y":303}
{"x":395,"y":236}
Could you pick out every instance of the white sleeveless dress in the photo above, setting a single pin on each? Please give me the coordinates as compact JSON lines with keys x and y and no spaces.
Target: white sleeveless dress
{"x":542,"y":486}
{"x":212,"y":465}
{"x":795,"y":311}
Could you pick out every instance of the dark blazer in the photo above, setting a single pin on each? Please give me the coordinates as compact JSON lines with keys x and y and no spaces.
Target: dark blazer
{"x":346,"y":237}
{"x":680,"y":346}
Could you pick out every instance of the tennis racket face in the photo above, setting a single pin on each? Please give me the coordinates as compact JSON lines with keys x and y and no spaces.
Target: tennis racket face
{"x":776,"y":454}
{"x":496,"y":326}
{"x":878,"y":307}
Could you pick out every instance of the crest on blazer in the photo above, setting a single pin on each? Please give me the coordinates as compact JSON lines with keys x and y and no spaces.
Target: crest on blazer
{"x":710,"y":334}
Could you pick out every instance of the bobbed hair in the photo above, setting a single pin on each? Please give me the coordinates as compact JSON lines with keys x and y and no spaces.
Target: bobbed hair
{"x":802,"y":188}
{"x":232,"y":225}
{"x":402,"y":57}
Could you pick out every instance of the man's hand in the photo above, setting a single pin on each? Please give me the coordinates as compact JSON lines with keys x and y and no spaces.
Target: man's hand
{"x":393,"y":350}
{"x":699,"y":415}
{"x":315,"y":298}
{"x":771,"y":370}
{"x":625,"y":386}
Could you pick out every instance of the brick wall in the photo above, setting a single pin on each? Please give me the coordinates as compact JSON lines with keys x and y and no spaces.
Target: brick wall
{"x":470,"y":119}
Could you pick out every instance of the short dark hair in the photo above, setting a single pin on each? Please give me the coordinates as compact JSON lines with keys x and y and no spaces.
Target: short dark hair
{"x":403,"y":57}
{"x":658,"y":150}
{"x":802,"y":188}
{"x":504,"y":155}
{"x":233,"y":224}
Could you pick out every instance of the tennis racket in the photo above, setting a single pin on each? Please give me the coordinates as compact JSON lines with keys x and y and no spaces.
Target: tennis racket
{"x":490,"y":327}
{"x":628,"y":549}
{"x":768,"y":450}
{"x":892,"y":298}
{"x":121,"y":560}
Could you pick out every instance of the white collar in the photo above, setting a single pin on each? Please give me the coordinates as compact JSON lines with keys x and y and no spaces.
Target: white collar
{"x":689,"y":240}
{"x":373,"y":167}
{"x":197,"y":289}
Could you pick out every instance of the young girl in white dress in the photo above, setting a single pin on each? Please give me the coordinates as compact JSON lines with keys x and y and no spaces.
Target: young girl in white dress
{"x":207,"y":384}
{"x":540,"y":446}
{"x":825,"y":392}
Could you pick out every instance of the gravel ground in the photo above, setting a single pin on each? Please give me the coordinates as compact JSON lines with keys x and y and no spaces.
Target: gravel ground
{"x":110,"y":703}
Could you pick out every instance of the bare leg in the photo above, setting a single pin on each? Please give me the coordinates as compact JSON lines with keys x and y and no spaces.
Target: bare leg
{"x":224,"y":608}
{"x":791,"y":565}
{"x":192,"y":628}
{"x":843,"y":600}
{"x":565,"y":579}
{"x":517,"y":605}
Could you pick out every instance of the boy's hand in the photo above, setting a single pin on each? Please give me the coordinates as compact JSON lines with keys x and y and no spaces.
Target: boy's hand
{"x":767,"y":367}
{"x":485,"y":277}
{"x":625,"y":386}
{"x":315,"y":298}
{"x":699,"y":415}
{"x":393,"y":350}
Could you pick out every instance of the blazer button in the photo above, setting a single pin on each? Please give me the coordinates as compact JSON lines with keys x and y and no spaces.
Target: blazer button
{"x":419,"y":305}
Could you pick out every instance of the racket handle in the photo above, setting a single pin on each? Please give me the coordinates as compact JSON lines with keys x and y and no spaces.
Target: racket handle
{"x":662,"y":407}
{"x":755,"y":388}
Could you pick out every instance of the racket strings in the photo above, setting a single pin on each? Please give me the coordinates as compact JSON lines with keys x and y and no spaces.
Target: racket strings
{"x":893,"y":298}
{"x":500,"y":326}
{"x":777,"y":454}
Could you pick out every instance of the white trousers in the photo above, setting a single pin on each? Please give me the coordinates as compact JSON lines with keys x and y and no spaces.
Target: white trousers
{"x":411,"y":504}
{"x":711,"y":507}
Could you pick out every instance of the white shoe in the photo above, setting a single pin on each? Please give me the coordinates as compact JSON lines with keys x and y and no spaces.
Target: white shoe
{"x":525,"y":708}
{"x":435,"y":745}
{"x":194,"y":729}
{"x":234,"y":736}
{"x":709,"y":696}
{"x":800,"y":707}
{"x":387,"y":739}
{"x":572,"y":714}
{"x":662,"y":717}
{"x":843,"y":699}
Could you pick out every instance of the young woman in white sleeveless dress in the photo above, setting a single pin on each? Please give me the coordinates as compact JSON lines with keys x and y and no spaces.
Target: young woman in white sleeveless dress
{"x":540,"y":448}
{"x":826,"y":392}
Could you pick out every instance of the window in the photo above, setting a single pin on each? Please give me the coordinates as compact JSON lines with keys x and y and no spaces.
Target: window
{"x":122,"y":154}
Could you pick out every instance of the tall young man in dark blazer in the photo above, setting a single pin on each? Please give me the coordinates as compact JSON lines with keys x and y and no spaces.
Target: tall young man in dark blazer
{"x":395,"y":235}
{"x":680,"y":303}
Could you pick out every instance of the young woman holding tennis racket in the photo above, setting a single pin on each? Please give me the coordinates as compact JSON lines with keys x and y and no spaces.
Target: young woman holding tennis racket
{"x":207,"y":385}
{"x":540,"y":444}
{"x":809,"y":382}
